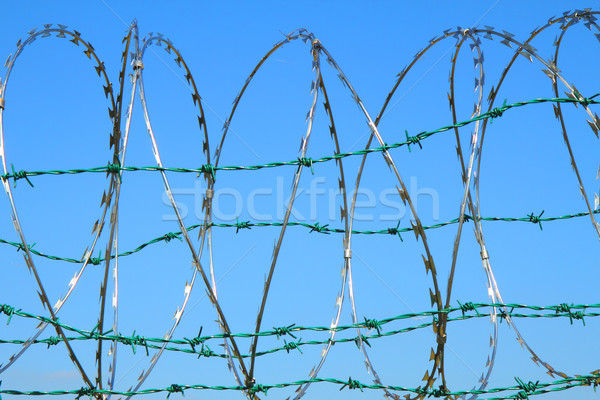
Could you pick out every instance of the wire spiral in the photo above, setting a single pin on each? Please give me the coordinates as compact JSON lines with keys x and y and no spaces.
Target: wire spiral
{"x":243,"y":366}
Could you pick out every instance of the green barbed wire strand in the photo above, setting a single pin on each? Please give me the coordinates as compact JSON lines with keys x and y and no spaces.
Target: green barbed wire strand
{"x":316,"y":227}
{"x":205,"y":350}
{"x":560,"y":310}
{"x":115,"y":168}
{"x":524,"y":389}
{"x":10,"y":311}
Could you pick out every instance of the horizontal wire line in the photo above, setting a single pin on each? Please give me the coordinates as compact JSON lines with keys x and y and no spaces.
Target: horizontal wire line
{"x":316,"y":227}
{"x":114,"y":168}
{"x":558,"y":311}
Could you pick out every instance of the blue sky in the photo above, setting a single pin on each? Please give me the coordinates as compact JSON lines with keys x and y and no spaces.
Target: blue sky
{"x":56,"y":118}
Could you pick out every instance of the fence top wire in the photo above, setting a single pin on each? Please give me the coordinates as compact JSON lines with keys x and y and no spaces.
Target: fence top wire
{"x":304,"y":161}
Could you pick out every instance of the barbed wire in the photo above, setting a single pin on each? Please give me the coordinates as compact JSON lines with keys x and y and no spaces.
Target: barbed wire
{"x":314,"y":227}
{"x":524,"y":390}
{"x":304,"y":161}
{"x":498,"y":310}
{"x":572,"y":311}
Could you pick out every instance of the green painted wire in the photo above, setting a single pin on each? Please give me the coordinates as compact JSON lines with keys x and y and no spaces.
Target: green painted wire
{"x":522,"y":389}
{"x":114,"y":168}
{"x":572,"y":311}
{"x":205,"y":351}
{"x":526,"y":390}
{"x":316,"y":227}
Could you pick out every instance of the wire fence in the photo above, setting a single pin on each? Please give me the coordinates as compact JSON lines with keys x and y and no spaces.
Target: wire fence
{"x":242,"y":365}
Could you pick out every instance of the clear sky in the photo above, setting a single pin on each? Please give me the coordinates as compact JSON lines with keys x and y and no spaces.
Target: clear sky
{"x":56,"y":117}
